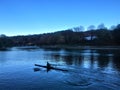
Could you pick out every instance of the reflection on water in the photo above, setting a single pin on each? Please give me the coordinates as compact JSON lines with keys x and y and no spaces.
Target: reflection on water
{"x":87,"y":69}
{"x":87,"y":58}
{"x":87,"y":65}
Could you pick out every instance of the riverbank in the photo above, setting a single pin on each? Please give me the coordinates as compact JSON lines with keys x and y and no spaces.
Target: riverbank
{"x":74,"y":47}
{"x":3,"y":48}
{"x":78,"y":47}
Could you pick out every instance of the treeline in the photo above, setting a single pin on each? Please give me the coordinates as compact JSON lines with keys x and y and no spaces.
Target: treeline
{"x":75,"y":36}
{"x":5,"y":42}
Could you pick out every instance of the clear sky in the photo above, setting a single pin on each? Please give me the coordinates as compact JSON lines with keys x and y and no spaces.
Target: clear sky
{"x":21,"y":17}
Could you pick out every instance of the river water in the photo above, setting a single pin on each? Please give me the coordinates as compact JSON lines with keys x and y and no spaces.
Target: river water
{"x":88,"y":69}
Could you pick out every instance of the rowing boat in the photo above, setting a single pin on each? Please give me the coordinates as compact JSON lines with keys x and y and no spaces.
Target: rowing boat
{"x":50,"y":67}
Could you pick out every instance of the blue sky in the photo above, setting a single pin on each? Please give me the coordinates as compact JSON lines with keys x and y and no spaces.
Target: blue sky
{"x":22,"y":17}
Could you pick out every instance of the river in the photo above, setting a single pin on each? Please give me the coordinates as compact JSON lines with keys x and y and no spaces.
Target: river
{"x":88,"y":69}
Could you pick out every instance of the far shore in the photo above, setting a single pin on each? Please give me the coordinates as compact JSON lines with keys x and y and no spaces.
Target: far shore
{"x":78,"y":47}
{"x":74,"y":47}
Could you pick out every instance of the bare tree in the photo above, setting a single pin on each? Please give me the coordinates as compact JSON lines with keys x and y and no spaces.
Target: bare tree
{"x":78,"y":29}
{"x":101,"y":26}
{"x":3,"y":35}
{"x":112,"y":27}
{"x":91,"y":27}
{"x":118,"y":26}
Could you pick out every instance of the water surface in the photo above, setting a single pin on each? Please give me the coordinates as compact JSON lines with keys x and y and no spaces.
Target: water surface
{"x":91,"y":69}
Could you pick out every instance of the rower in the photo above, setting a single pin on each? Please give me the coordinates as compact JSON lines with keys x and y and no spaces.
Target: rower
{"x":48,"y":65}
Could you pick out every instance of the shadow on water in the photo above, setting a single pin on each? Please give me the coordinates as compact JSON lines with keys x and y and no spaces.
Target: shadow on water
{"x":36,"y":69}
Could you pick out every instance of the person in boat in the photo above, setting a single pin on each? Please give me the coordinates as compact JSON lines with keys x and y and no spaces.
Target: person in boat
{"x":48,"y":65}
